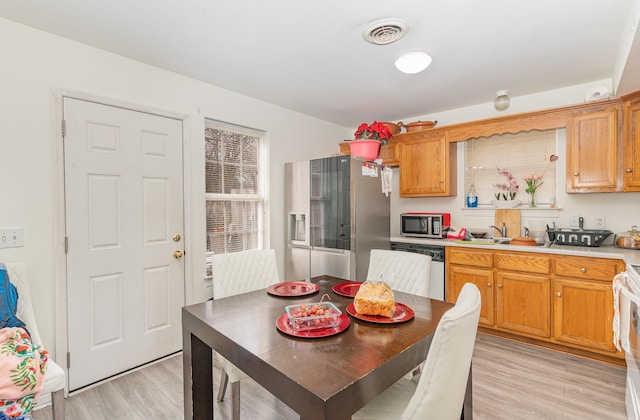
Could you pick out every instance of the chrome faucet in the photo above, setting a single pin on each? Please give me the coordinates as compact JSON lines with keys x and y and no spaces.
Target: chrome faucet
{"x":502,"y":231}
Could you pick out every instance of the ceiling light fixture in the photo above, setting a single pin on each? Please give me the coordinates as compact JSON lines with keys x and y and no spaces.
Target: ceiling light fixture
{"x":413,"y":62}
{"x":502,"y":100}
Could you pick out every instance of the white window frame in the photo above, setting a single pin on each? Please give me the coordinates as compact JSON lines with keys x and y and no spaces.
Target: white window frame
{"x":262,"y":180}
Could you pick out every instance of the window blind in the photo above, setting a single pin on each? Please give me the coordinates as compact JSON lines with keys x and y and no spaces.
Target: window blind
{"x":234,"y":179}
{"x":521,"y":154}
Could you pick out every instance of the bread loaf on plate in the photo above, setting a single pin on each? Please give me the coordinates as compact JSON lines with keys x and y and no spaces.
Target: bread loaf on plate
{"x":375,"y":299}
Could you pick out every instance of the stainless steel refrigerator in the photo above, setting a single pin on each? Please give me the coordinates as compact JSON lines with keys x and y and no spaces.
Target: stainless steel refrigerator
{"x":336,"y":213}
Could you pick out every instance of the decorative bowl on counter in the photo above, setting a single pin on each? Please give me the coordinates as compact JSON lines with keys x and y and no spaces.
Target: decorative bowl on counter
{"x":629,"y":239}
{"x":478,"y":233}
{"x":312,"y":316}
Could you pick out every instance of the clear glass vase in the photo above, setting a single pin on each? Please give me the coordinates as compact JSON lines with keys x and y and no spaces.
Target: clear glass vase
{"x":532,"y":200}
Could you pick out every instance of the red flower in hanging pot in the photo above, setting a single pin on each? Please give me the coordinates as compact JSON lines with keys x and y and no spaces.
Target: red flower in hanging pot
{"x":374,"y":131}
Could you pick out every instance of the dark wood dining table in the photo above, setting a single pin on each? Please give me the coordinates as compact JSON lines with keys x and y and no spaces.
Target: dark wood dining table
{"x":319,"y":378}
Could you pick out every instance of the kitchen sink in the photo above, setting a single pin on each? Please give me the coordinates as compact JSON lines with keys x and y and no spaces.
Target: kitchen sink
{"x":507,"y":241}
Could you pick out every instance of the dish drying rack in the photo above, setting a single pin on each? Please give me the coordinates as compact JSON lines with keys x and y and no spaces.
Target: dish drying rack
{"x":578,"y":237}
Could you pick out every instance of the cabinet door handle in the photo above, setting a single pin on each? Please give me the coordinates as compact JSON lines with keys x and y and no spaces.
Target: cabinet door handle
{"x":442,"y":181}
{"x":558,"y":294}
{"x":488,"y":284}
{"x":499,"y":286}
{"x":629,"y":170}
{"x":576,"y":174}
{"x":583,"y":270}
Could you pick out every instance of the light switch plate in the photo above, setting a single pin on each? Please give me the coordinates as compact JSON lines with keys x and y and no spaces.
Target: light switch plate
{"x":601,"y":222}
{"x":11,"y":237}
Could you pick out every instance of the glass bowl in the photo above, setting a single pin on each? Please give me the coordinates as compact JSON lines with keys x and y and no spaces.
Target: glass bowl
{"x":313,"y":316}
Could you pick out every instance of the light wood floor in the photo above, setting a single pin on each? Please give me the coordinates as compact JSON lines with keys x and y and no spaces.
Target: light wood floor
{"x":511,"y":381}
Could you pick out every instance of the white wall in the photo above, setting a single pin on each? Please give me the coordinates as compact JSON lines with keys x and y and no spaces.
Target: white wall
{"x":620,"y":209}
{"x":34,"y":63}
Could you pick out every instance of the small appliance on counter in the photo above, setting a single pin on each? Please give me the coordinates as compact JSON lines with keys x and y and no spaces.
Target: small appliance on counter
{"x":425,"y":225}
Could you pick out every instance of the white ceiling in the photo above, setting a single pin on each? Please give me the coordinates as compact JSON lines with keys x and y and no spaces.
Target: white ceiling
{"x":310,"y":55}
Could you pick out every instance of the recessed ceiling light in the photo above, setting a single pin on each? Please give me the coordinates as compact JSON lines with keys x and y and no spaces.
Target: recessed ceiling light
{"x":413,"y":62}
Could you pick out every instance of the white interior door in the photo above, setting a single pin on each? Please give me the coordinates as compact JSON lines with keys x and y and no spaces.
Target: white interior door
{"x":124,"y":221}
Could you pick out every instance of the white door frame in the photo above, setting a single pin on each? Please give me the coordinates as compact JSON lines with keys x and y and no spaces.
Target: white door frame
{"x":58,"y":199}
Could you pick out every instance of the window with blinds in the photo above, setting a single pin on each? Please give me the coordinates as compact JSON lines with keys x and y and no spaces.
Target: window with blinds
{"x":521,"y":154}
{"x":234,"y":172}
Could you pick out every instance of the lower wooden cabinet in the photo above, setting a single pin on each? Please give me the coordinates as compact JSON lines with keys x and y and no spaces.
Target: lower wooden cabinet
{"x":522,"y":303}
{"x":584,"y":314}
{"x":583,"y":302}
{"x":483,"y":279}
{"x":548,"y":298}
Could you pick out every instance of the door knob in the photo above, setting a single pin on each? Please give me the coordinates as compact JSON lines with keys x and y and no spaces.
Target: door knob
{"x":629,"y":170}
{"x":177,"y":254}
{"x":558,"y":294}
{"x":176,"y":238}
{"x":499,"y":286}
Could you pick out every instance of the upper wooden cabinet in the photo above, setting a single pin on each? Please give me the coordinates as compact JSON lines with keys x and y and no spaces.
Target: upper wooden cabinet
{"x":631,"y":145}
{"x":427,"y":164}
{"x":592,"y":148}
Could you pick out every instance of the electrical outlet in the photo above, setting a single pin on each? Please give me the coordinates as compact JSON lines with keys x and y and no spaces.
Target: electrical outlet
{"x":11,"y":237}
{"x":573,"y":220}
{"x":601,"y":222}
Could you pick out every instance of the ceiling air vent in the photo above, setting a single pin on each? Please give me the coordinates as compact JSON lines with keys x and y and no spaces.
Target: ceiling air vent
{"x":385,"y":31}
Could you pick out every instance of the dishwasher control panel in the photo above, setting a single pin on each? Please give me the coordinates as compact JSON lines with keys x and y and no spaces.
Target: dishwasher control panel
{"x":435,"y":252}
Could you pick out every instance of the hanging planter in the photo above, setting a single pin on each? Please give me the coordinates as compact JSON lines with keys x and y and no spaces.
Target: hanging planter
{"x":369,"y":139}
{"x":366,"y":149}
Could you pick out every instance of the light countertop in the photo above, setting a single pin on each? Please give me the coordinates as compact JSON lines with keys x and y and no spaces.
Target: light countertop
{"x":629,"y":256}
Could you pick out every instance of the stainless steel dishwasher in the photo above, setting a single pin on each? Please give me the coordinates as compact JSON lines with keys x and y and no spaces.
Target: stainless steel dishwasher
{"x":436,"y":252}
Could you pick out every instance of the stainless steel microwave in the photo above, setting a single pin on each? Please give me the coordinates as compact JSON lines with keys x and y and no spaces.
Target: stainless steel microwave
{"x":425,"y":225}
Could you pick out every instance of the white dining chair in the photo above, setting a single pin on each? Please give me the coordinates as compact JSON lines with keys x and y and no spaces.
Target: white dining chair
{"x":54,"y":377}
{"x":233,"y":274}
{"x":440,"y":392}
{"x":403,"y":271}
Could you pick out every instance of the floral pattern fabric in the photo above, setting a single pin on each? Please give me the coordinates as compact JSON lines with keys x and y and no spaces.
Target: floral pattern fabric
{"x":22,"y":368}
